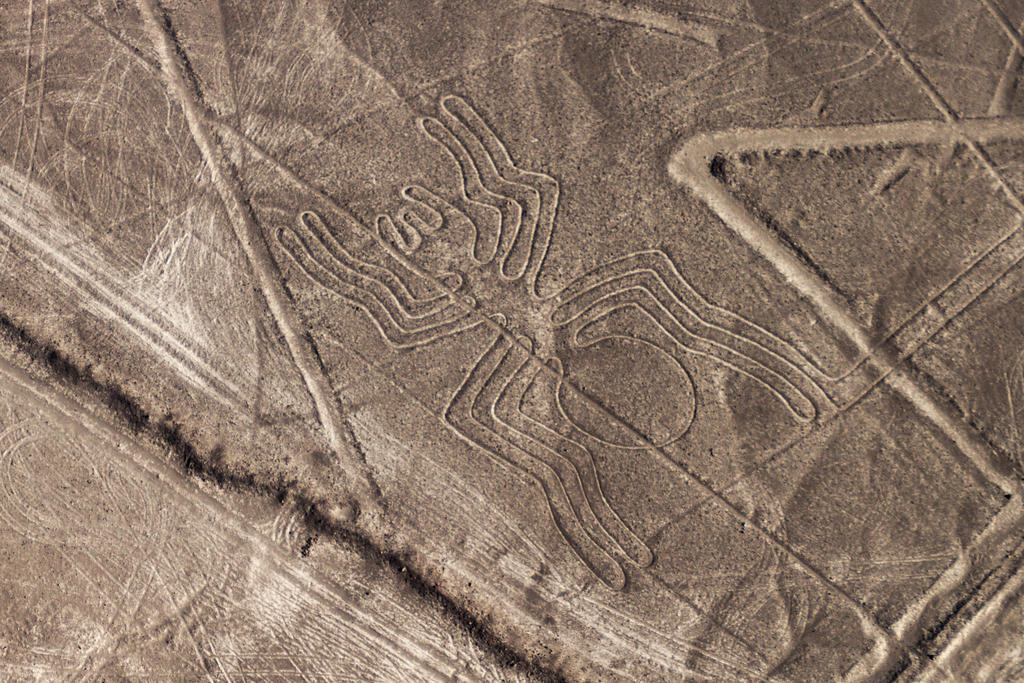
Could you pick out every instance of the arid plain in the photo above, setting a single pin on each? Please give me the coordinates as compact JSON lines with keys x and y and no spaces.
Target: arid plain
{"x":539,"y":340}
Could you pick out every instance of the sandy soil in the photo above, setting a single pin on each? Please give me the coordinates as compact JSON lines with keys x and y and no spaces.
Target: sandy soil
{"x":551,"y":339}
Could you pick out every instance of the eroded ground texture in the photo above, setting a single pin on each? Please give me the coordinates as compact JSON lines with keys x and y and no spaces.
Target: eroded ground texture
{"x":528,"y":340}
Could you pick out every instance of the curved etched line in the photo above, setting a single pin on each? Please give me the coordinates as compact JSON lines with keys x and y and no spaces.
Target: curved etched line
{"x":399,"y":232}
{"x":798,"y":403}
{"x":656,"y":265}
{"x":471,"y":186}
{"x":450,"y":216}
{"x":424,"y":201}
{"x":42,"y":521}
{"x":659,"y":265}
{"x":459,"y":415}
{"x":516,"y":243}
{"x":379,"y":276}
{"x":453,"y":281}
{"x":595,"y":437}
{"x":449,"y":320}
{"x":15,"y":511}
{"x":25,"y":519}
{"x":541,"y":190}
{"x":579,"y":309}
{"x":508,"y":411}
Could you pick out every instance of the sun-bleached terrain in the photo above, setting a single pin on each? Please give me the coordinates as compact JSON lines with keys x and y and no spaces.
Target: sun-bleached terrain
{"x":539,"y":340}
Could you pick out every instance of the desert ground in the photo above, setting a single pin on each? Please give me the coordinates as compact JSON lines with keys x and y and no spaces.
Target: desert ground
{"x":540,"y":340}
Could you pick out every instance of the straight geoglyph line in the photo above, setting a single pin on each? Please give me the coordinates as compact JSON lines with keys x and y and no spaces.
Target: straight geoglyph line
{"x":868,"y":623}
{"x":77,"y":421}
{"x":197,"y":121}
{"x":690,"y":165}
{"x":937,"y":100}
{"x":263,"y":266}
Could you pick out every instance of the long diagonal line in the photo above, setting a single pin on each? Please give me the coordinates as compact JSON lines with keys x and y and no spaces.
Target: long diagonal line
{"x":24,"y":89}
{"x":42,"y":89}
{"x":868,"y":622}
{"x":1004,"y":23}
{"x":262,"y":264}
{"x":662,"y":22}
{"x":199,"y":121}
{"x":938,"y":100}
{"x":229,"y":71}
{"x":686,"y":168}
{"x":78,"y":422}
{"x":999,"y":105}
{"x":980,"y":625}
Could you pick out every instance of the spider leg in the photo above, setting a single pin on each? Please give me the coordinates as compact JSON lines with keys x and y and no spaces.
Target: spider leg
{"x":516,"y":242}
{"x":471,"y":415}
{"x":573,"y":461}
{"x":383,"y":281}
{"x":472,"y":190}
{"x":536,"y":193}
{"x":681,"y":319}
{"x":395,"y":324}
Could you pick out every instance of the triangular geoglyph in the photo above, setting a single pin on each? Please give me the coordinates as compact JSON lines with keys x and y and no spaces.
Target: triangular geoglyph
{"x":697,"y":164}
